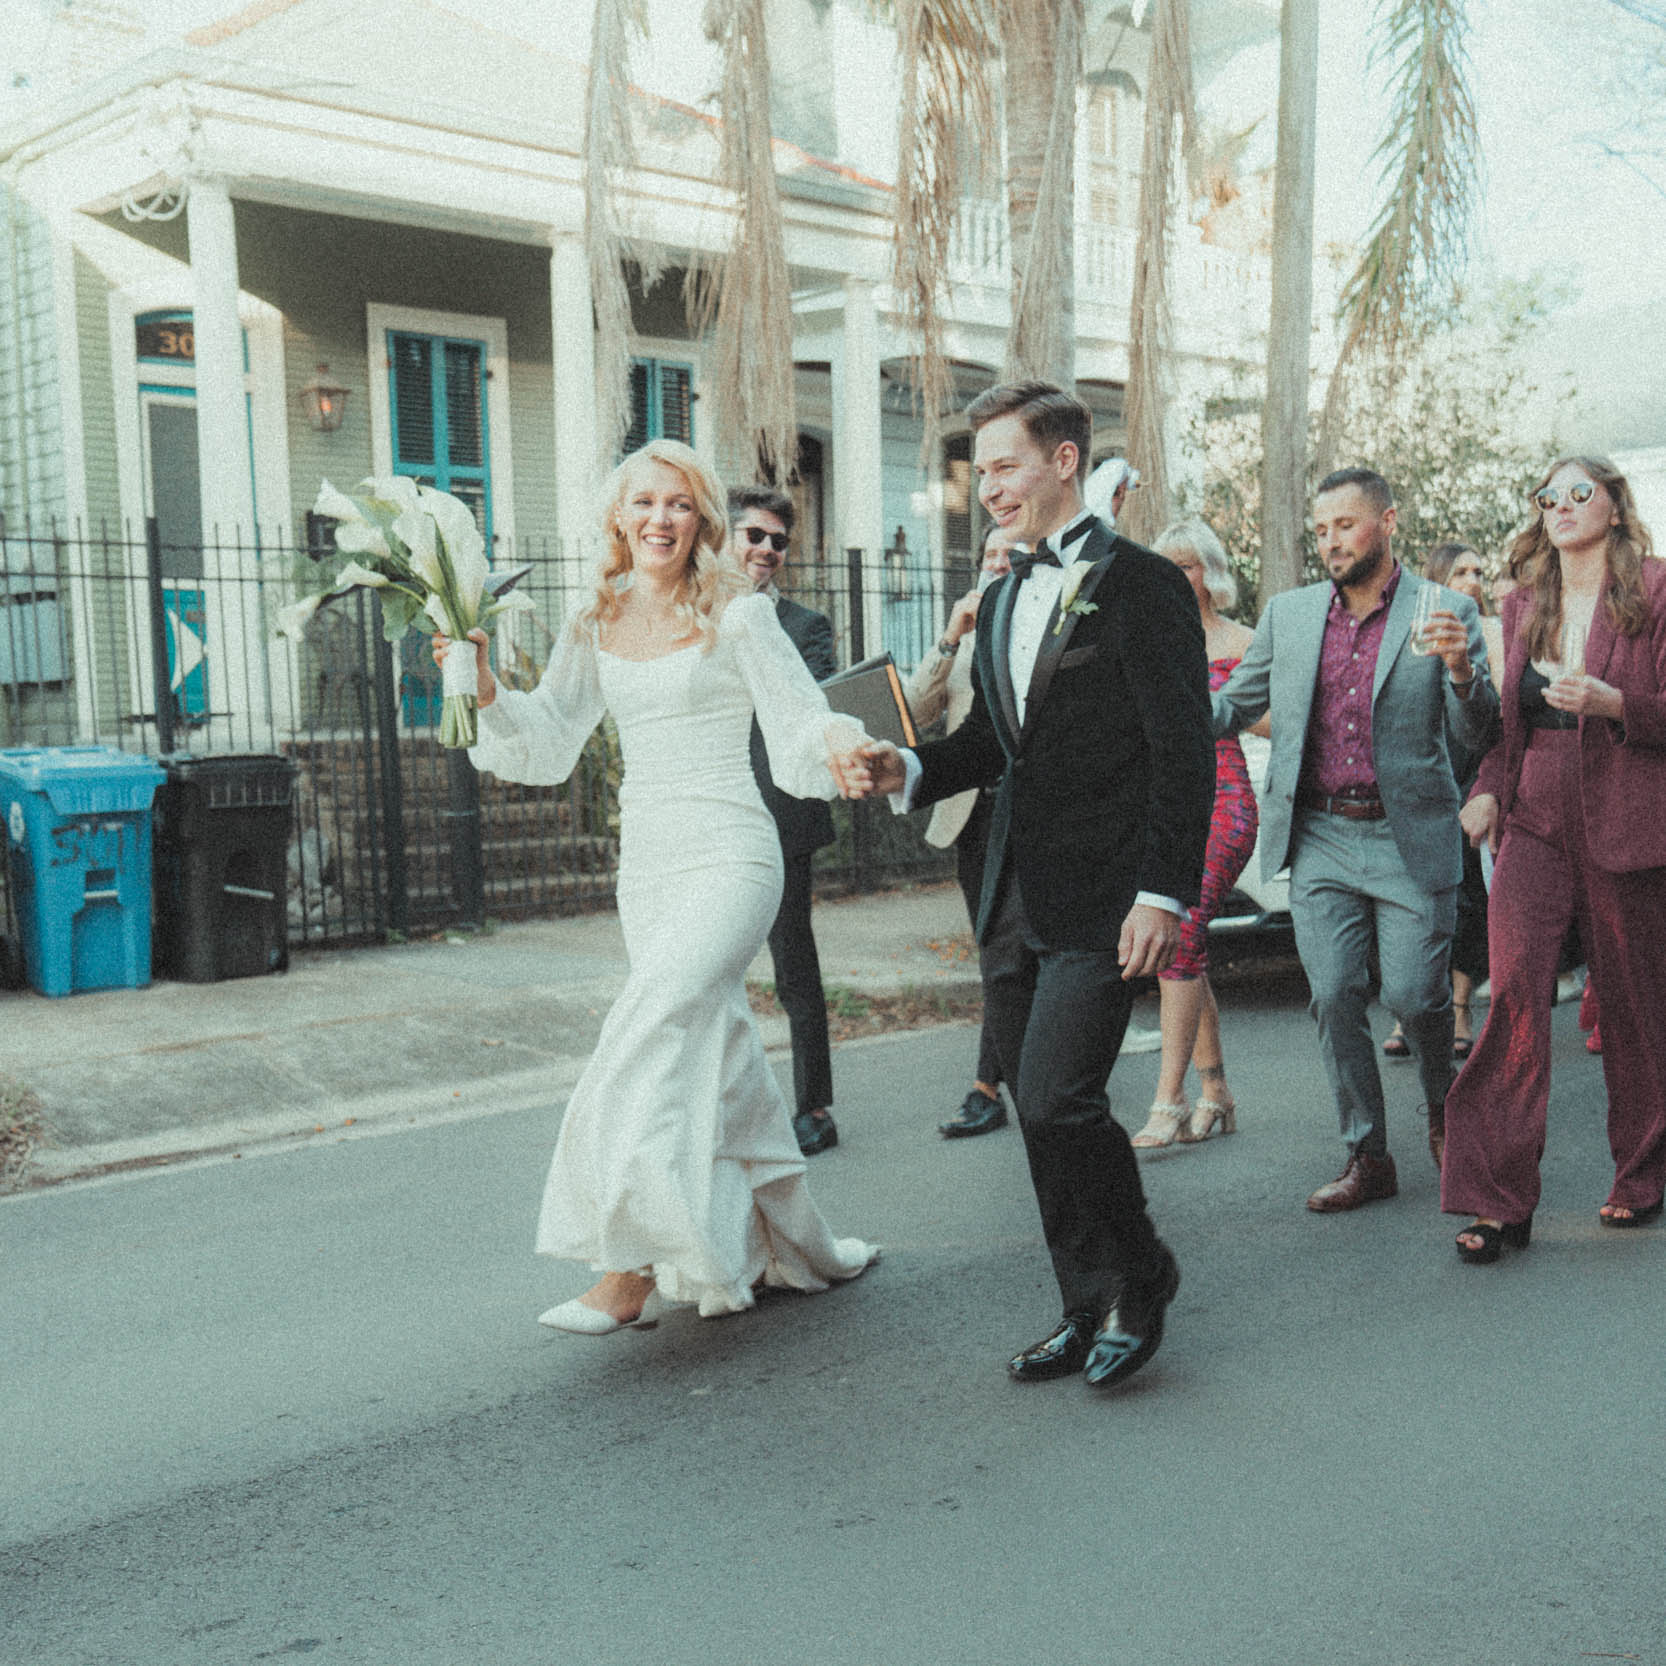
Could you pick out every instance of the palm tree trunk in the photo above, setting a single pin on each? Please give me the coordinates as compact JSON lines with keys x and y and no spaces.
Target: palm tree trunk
{"x":1042,"y":44}
{"x":1168,"y":100}
{"x":1284,"y":416}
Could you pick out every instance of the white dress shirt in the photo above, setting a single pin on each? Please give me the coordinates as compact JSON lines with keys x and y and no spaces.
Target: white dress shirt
{"x":1031,"y":609}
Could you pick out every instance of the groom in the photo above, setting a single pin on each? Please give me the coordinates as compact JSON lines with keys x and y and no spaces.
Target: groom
{"x":1091,"y":710}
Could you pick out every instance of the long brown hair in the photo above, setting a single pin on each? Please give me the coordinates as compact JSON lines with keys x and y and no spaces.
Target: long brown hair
{"x":1532,"y":556}
{"x":709,"y":581}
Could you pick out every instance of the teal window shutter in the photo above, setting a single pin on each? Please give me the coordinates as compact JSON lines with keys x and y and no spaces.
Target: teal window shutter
{"x":437,"y":399}
{"x":662,"y":403}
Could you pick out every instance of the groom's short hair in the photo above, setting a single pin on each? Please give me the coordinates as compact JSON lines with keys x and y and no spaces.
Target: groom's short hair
{"x":1050,"y":416}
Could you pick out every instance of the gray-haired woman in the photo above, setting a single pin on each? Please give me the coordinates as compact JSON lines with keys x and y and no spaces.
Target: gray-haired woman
{"x":1188,"y":1017}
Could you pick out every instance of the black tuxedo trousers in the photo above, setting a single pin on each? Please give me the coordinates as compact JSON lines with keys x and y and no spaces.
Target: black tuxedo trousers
{"x":1056,"y":1018}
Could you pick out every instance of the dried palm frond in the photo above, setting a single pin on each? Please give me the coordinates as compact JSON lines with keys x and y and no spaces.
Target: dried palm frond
{"x":946,"y":103}
{"x":1168,"y":105}
{"x":747,"y":292}
{"x":609,"y":154}
{"x":1430,"y":158}
{"x":1042,"y":44}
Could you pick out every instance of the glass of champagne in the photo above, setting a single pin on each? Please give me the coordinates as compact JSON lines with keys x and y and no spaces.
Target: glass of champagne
{"x":1424,"y":608}
{"x":1573,"y":650}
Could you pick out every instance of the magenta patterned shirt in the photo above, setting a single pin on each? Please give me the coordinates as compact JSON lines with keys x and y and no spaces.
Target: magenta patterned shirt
{"x":1337,"y":761}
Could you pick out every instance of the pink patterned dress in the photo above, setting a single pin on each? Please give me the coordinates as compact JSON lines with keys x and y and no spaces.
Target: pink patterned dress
{"x":1232,"y":829}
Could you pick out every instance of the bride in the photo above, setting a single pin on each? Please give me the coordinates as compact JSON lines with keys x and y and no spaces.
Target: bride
{"x":676,"y":1174}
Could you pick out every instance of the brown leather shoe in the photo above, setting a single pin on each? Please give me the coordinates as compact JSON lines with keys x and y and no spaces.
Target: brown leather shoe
{"x":1364,"y":1180}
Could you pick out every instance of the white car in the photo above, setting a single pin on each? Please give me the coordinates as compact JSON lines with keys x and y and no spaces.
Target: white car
{"x":1255,"y":904}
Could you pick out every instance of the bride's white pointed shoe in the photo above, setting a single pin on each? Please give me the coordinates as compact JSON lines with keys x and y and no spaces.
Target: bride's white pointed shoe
{"x":583,"y":1320}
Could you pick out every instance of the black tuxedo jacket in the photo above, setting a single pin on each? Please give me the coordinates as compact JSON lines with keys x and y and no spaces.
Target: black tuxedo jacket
{"x":1106,"y":789}
{"x":805,"y":824}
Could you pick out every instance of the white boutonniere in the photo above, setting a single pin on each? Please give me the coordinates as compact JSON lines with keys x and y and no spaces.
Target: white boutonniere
{"x":1070,"y":593}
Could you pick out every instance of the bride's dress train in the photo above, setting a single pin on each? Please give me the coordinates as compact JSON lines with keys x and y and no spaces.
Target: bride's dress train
{"x":676,"y":1155}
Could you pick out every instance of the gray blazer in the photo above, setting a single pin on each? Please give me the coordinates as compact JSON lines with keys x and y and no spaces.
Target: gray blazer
{"x":1416,"y":722}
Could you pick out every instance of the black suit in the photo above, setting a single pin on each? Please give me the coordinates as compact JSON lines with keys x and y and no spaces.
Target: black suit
{"x":1105,"y":791}
{"x":805,"y":825}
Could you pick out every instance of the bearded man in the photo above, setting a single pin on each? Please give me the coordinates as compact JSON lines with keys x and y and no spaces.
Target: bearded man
{"x":1361,"y":803}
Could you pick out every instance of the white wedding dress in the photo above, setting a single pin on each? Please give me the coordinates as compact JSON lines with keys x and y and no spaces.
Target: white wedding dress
{"x":676,"y":1155}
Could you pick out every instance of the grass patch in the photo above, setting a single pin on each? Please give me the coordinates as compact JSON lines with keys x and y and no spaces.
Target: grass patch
{"x":853,"y":1013}
{"x":19,"y":1128}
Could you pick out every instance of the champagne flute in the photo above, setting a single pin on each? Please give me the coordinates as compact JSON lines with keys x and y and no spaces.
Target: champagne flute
{"x":1426,"y":603}
{"x":1574,"y":638}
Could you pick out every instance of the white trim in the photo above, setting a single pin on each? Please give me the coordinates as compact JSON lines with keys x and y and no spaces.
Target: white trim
{"x":73,"y":440}
{"x":379,"y":319}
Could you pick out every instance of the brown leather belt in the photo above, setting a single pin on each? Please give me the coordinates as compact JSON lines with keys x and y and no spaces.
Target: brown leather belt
{"x":1350,"y":809}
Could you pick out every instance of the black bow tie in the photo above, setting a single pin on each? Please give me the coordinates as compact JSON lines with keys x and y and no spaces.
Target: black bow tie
{"x":1024,"y":565}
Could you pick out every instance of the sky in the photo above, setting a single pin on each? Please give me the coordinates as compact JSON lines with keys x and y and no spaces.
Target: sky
{"x":1551,"y":202}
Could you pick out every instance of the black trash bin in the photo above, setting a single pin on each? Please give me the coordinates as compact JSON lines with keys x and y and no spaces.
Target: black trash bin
{"x":222,"y":841}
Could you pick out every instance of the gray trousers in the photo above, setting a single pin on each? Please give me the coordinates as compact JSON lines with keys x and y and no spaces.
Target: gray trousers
{"x":1348,"y":888}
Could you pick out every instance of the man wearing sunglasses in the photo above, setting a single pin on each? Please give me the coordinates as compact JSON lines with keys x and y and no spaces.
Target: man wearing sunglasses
{"x":1361,"y":802}
{"x":760,"y":528}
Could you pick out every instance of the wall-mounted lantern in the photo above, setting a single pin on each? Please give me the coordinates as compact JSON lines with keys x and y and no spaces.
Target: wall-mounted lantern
{"x":325,"y":401}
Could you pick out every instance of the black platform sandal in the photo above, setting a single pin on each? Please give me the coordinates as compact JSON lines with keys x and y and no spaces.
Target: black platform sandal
{"x":1637,"y":1217}
{"x":1494,"y":1239}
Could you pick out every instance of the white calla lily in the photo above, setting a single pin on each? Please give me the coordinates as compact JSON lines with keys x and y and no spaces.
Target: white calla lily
{"x":415,"y":530}
{"x":293,"y":620}
{"x":353,"y":575}
{"x":516,"y":601}
{"x":336,"y":504}
{"x":464,"y":547}
{"x":397,"y":490}
{"x":361,"y":538}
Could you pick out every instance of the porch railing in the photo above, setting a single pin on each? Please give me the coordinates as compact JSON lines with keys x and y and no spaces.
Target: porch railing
{"x":117,"y":639}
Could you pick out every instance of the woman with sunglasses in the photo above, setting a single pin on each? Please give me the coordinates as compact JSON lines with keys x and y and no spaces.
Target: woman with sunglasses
{"x":1459,"y":568}
{"x":1572,"y":799}
{"x":676,"y":1174}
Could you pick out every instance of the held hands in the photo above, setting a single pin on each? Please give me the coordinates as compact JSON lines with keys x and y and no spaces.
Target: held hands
{"x":488,"y":683}
{"x":869,"y":771}
{"x":1586,"y":696}
{"x":1149,"y":941}
{"x":1479,"y":820}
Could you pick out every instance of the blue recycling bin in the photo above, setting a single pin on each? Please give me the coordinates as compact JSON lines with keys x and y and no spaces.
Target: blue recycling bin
{"x":78,"y":840}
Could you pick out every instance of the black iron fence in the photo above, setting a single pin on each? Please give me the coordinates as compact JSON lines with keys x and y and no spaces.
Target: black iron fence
{"x":127,"y":642}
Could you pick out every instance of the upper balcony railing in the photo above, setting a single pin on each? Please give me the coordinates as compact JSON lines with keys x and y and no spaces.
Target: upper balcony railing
{"x":1219,"y":299}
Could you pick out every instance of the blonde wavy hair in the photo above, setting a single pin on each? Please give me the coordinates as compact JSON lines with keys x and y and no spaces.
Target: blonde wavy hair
{"x":1629,"y":546}
{"x":710,"y":580}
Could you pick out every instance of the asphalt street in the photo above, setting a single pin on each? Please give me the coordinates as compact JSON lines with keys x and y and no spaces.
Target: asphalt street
{"x":296,"y":1405}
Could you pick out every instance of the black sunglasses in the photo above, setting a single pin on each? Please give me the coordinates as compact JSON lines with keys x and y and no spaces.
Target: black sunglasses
{"x":777,"y":541}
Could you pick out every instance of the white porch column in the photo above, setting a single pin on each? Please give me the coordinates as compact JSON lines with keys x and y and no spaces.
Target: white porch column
{"x":237,"y":684}
{"x":577,"y":452}
{"x":858,"y":488}
{"x":222,"y":415}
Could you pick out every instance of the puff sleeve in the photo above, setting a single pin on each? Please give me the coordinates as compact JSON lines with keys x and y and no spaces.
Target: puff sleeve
{"x":536,"y":737}
{"x":798,"y":725}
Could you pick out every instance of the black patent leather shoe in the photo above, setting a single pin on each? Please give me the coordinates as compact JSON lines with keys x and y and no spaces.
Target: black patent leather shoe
{"x":1060,"y":1355}
{"x":978,"y":1114}
{"x":1133,"y":1329}
{"x":815,"y":1131}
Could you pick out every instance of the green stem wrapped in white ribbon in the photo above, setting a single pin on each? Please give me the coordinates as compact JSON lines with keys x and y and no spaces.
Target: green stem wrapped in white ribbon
{"x":422,"y":553}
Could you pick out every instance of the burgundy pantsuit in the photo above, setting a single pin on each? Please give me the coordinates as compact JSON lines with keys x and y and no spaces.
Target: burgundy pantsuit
{"x":1583,"y":814}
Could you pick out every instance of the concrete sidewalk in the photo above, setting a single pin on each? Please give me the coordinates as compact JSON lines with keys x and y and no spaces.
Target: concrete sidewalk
{"x":414,"y":1032}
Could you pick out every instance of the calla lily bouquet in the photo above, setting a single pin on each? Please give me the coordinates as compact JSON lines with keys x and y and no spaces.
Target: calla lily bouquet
{"x":422,"y":553}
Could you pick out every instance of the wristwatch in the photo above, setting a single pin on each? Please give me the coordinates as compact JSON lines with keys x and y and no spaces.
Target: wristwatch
{"x":946,"y":648}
